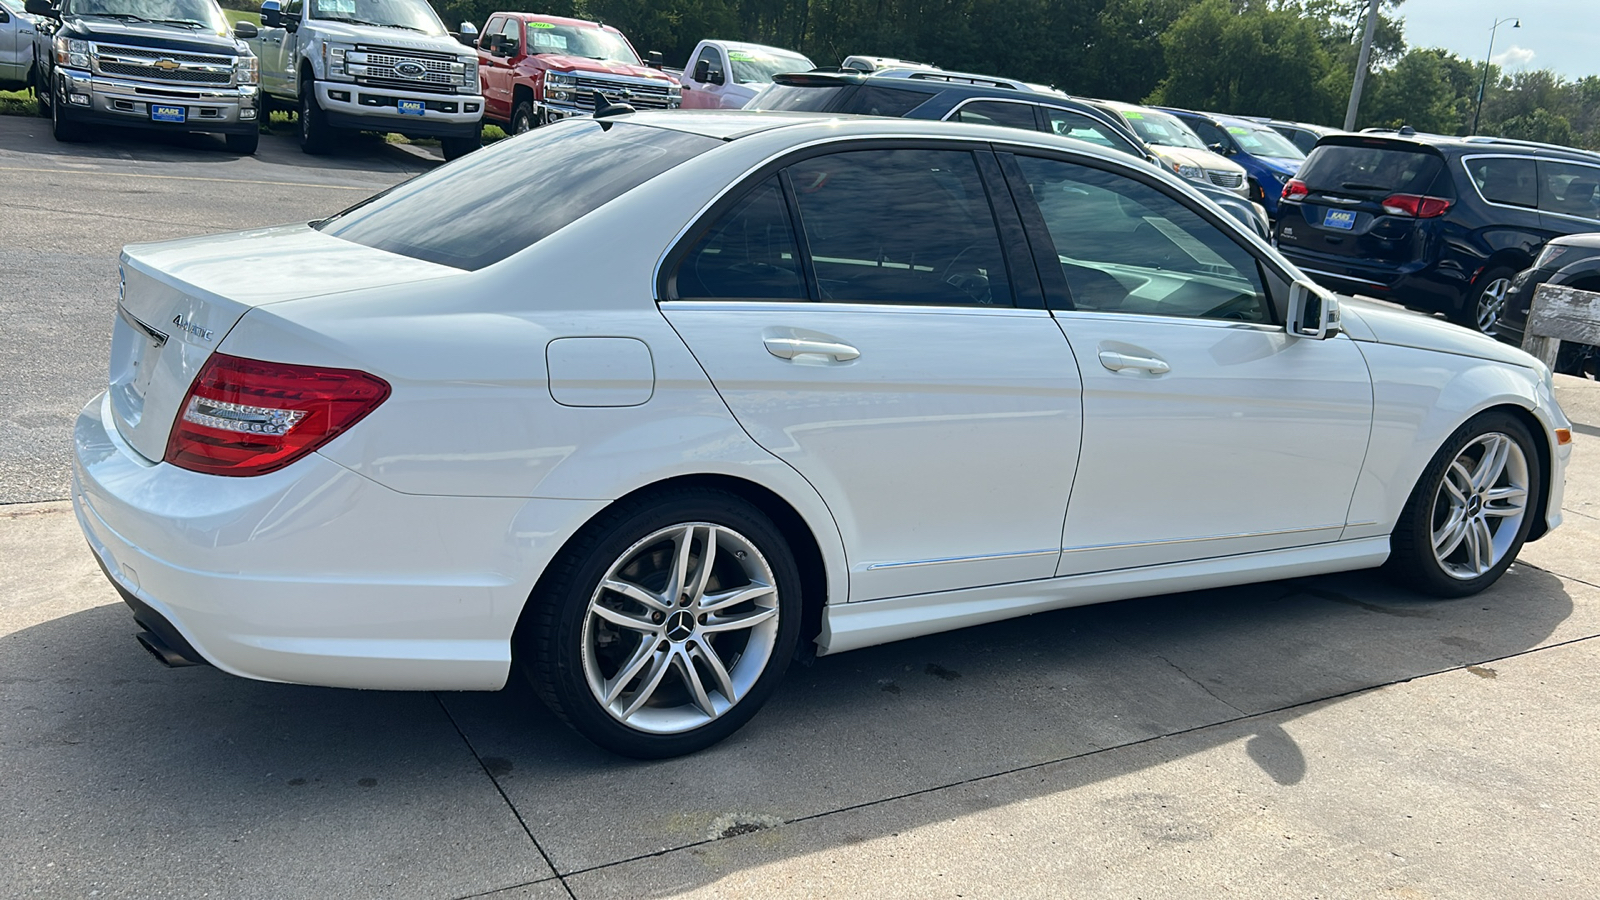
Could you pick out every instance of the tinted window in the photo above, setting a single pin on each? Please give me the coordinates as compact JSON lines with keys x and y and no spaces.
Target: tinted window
{"x":802,"y":99}
{"x":711,"y":58}
{"x":1571,"y":189}
{"x":1264,"y":142}
{"x":870,"y":100}
{"x":1009,"y":115}
{"x":1084,"y":128}
{"x":1344,"y":169}
{"x":489,"y":31}
{"x":1127,"y":247}
{"x":1505,"y":179}
{"x":900,"y":226}
{"x":748,"y":254}
{"x":504,"y":198}
{"x":1208,"y":132}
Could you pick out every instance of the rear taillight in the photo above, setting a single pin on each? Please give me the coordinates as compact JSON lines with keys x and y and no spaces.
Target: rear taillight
{"x":1414,"y":205}
{"x":247,"y":417}
{"x":1295,"y":189}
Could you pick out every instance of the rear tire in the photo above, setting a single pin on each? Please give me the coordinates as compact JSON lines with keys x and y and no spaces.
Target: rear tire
{"x":242,"y":144}
{"x":1487,"y":300}
{"x":316,"y":136}
{"x":455,"y":148}
{"x":522,"y":118}
{"x":646,"y":653}
{"x":1470,"y":512}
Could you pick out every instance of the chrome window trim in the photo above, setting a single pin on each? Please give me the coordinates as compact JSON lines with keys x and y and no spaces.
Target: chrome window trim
{"x":1114,"y":316}
{"x":1344,"y":277}
{"x":852,"y":306}
{"x":1517,"y":156}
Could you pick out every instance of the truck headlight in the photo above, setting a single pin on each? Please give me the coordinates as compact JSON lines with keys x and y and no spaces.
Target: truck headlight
{"x":70,"y":53}
{"x":469,"y":71}
{"x":674,"y":96}
{"x":333,"y":59}
{"x":559,"y":86}
{"x":1193,"y":173}
{"x":246,"y":70}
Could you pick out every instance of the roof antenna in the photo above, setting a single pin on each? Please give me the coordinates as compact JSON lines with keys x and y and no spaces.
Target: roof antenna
{"x":604,"y":107}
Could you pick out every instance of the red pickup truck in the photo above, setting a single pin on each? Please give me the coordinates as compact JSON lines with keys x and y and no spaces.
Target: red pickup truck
{"x":537,"y":69}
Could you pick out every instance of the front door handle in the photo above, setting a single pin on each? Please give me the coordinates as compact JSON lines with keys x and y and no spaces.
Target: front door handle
{"x":798,"y":348}
{"x":1116,"y":362}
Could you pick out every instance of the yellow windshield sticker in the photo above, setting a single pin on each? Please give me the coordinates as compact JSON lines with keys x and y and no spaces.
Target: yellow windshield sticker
{"x":1235,"y":129}
{"x":540,"y":25}
{"x":1133,"y":114}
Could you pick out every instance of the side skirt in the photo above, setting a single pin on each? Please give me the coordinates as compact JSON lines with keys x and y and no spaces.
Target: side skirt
{"x":851,"y":626}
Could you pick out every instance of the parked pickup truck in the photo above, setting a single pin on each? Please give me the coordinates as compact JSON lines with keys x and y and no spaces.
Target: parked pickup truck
{"x":537,"y":69}
{"x":726,"y":74}
{"x":369,"y":65}
{"x":165,"y":64}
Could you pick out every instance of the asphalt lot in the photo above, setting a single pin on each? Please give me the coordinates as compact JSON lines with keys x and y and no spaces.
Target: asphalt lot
{"x":1329,"y":737}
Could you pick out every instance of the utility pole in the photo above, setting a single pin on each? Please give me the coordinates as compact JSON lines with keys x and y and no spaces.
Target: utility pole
{"x":1361,"y":67}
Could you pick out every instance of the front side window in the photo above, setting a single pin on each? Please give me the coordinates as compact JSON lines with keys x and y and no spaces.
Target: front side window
{"x":1264,"y":142}
{"x":1569,"y":189}
{"x":1009,"y":115}
{"x":1508,"y":180}
{"x":506,"y":197}
{"x":486,"y":40}
{"x":1208,"y":133}
{"x":1126,"y":247}
{"x":749,"y":254}
{"x":900,"y":226}
{"x":711,"y":58}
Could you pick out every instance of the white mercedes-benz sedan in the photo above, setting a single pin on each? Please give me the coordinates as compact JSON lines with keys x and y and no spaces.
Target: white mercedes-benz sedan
{"x":645,"y":406}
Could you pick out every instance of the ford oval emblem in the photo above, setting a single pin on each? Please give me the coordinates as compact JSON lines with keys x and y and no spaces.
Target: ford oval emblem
{"x":409,"y":69}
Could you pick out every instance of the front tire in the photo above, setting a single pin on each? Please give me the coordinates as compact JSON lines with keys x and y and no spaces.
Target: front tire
{"x":455,"y":148}
{"x":242,"y":144}
{"x":522,"y":120}
{"x":316,"y":136}
{"x":1470,"y":512}
{"x":666,"y":624}
{"x":63,"y":129}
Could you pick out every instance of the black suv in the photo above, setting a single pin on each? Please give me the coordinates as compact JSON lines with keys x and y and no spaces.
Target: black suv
{"x":981,"y":99}
{"x":1572,"y":261}
{"x":1440,"y":224}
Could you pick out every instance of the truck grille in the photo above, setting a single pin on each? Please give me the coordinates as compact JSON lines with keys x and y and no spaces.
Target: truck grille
{"x":150,"y":64}
{"x":431,"y":72}
{"x":639,"y":94}
{"x":1230,"y":180}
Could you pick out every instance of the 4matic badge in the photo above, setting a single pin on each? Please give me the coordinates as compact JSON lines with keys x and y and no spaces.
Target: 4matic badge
{"x":194,"y":330}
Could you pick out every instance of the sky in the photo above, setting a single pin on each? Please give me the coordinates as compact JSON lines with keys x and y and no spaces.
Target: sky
{"x":1560,"y":35}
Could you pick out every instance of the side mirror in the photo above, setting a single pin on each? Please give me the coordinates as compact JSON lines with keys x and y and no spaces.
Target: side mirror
{"x":503,"y":45}
{"x":244,"y":30}
{"x":42,"y":8}
{"x":654,"y":60}
{"x":468,"y":34}
{"x":715,"y":76}
{"x":270,"y":15}
{"x":702,"y":68}
{"x":1218,"y":149}
{"x":1313,"y":312}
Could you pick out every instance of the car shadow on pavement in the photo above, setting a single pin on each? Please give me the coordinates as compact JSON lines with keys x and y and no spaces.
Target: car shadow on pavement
{"x":122,"y":772}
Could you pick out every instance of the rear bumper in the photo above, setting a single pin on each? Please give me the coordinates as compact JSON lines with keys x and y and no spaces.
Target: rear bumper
{"x":365,"y":108}
{"x":314,"y":574}
{"x":96,"y":100}
{"x":1417,"y":284}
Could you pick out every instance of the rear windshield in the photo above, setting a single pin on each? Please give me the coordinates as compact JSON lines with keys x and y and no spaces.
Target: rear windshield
{"x":801,"y":99}
{"x":507,"y":197}
{"x":860,"y":100}
{"x":1342,"y":169}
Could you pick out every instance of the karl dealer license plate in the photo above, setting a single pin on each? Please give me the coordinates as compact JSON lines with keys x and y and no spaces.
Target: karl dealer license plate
{"x":412,"y":107}
{"x":168,"y":113}
{"x":1342,"y":219}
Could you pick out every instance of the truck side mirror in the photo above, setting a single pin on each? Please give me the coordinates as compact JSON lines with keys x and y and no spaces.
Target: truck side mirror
{"x":468,"y":34}
{"x":42,"y":8}
{"x":244,"y":30}
{"x":715,"y":76}
{"x":654,"y":60}
{"x":270,"y":16}
{"x":503,"y":45}
{"x":702,"y":67}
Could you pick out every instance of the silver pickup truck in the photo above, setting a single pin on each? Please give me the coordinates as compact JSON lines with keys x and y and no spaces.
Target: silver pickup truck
{"x":369,"y":65}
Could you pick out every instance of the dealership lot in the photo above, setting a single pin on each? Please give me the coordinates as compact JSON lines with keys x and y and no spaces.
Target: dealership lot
{"x":1324,"y":737}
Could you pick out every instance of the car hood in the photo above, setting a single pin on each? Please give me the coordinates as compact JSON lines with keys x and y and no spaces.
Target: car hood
{"x":604,"y":67}
{"x":1365,"y":320}
{"x":154,"y":36}
{"x":345,"y":32}
{"x":1205,"y":159}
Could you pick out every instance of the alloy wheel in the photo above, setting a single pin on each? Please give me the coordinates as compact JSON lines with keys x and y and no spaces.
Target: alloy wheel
{"x":1479,"y":507}
{"x":1491,"y":302}
{"x":680,"y":628}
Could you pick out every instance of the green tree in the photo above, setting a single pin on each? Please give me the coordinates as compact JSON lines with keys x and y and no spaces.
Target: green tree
{"x":1247,"y":57}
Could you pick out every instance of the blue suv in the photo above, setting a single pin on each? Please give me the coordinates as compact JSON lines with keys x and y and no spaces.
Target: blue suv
{"x":1269,"y":158}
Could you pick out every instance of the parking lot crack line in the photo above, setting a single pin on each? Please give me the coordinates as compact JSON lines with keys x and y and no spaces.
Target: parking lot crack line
{"x":509,"y":805}
{"x":1197,"y":729}
{"x":511,"y":887}
{"x":1199,"y":684}
{"x":1558,"y":574}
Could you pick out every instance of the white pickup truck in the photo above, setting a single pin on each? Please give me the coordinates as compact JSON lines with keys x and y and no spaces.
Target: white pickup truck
{"x":726,"y":74}
{"x":369,"y":65}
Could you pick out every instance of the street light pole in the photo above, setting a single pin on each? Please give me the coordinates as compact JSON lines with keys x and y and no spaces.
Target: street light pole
{"x":1484,"y":82}
{"x":1361,"y":67}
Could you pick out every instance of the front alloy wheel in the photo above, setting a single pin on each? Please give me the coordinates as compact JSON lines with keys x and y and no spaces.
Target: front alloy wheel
{"x":666,"y":624}
{"x":1491,"y":301}
{"x":1471,"y":511}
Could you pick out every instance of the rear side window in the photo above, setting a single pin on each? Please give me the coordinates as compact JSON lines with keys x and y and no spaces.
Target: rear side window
{"x":1510,"y":180}
{"x":1569,"y":189}
{"x":993,"y":112}
{"x":1343,"y":169}
{"x":870,"y":100}
{"x":749,"y":254}
{"x":505,"y":198}
{"x":900,"y":226}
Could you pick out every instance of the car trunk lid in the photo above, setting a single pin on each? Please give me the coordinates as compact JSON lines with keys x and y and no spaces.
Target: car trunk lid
{"x":178,"y":300}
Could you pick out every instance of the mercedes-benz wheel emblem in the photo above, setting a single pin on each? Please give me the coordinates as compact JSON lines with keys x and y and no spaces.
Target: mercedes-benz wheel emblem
{"x":680,"y":627}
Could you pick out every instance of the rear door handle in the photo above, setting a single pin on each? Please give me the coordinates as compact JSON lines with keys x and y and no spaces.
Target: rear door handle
{"x":796,"y":348}
{"x":1116,"y":362}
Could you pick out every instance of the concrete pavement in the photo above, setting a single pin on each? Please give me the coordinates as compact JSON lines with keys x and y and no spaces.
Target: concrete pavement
{"x":1329,"y":737}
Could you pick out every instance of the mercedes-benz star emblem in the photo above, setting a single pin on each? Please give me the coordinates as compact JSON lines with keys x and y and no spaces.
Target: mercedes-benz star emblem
{"x":680,"y":626}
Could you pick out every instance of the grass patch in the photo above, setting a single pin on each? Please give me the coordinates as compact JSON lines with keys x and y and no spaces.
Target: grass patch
{"x":18,"y":103}
{"x":235,"y":16}
{"x":492,"y":133}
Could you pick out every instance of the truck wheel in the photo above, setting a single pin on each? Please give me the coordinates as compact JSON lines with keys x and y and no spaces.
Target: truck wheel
{"x":63,"y":129}
{"x":455,"y":148}
{"x":242,"y":144}
{"x":522,"y":119}
{"x":316,"y":137}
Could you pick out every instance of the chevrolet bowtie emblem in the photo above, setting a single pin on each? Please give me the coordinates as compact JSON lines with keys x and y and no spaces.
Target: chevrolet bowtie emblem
{"x":167,"y":64}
